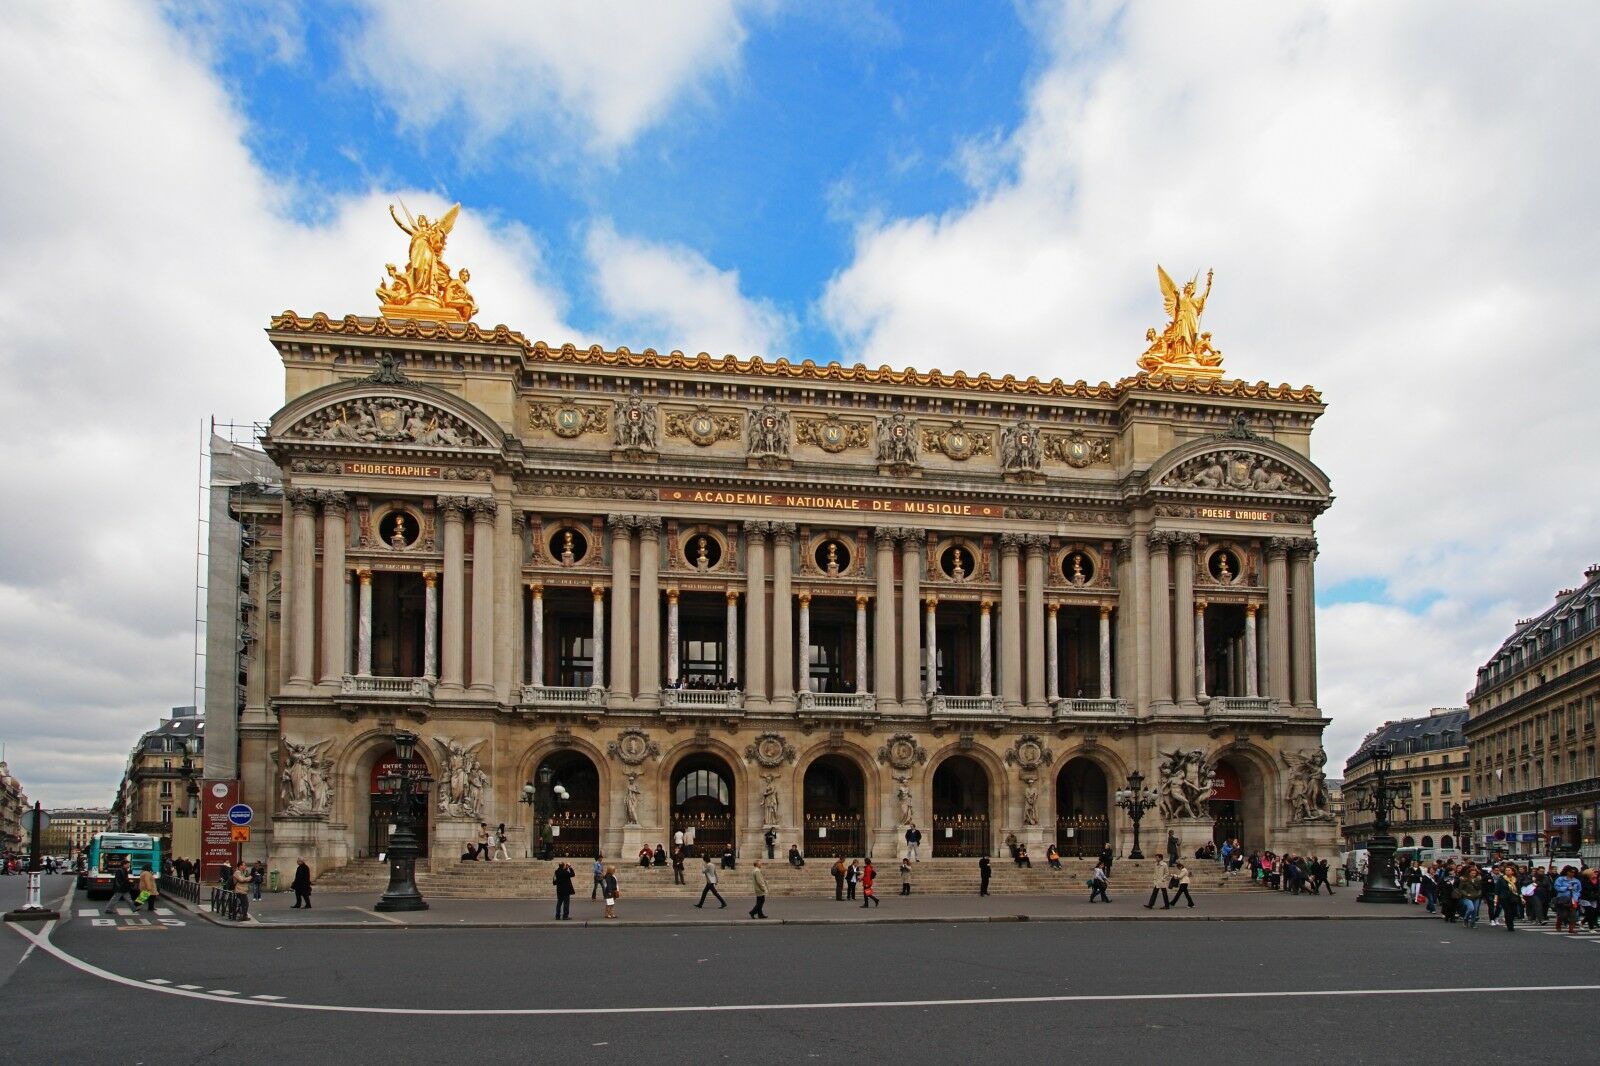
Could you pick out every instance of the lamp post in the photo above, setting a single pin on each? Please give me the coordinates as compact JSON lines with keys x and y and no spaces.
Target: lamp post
{"x":191,"y":788}
{"x":542,"y":801}
{"x":1457,"y":822}
{"x":402,"y":894}
{"x":1136,"y":799}
{"x":1380,"y":798}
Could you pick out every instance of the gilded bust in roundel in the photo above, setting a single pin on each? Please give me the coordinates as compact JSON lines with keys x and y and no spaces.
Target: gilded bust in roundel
{"x":633,"y":746}
{"x":770,"y":750}
{"x":902,"y":752}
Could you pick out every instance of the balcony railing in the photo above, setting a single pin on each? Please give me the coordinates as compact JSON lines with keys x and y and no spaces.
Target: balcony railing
{"x":1091,"y":708}
{"x":841,"y":703}
{"x":955,"y":706}
{"x":713,"y":700}
{"x":367,"y":685}
{"x":588,"y":698}
{"x":1243,"y":707}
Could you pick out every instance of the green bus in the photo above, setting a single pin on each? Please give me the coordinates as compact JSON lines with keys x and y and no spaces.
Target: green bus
{"x":109,"y":850}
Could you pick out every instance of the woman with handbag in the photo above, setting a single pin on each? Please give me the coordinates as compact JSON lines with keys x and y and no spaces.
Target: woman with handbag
{"x":1179,"y":883}
{"x":610,"y":888}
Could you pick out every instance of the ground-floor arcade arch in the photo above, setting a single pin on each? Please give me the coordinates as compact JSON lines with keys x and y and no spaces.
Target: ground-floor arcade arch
{"x":575,"y":819}
{"x":833,"y":794}
{"x":1083,"y":808}
{"x":704,"y":791}
{"x":961,"y":819}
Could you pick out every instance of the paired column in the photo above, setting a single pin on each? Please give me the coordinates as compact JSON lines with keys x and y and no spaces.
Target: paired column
{"x":985,"y":650}
{"x":1200,"y":650}
{"x":335,"y":595}
{"x":755,"y":612}
{"x":452,"y":509}
{"x":1160,"y":619}
{"x":483,"y":512}
{"x":302,"y":560}
{"x":1301,"y":620}
{"x":911,"y":682}
{"x":783,"y":676}
{"x":861,"y":643}
{"x":1251,"y":665}
{"x":649,"y":609}
{"x":621,"y":528}
{"x":364,"y":623}
{"x":1052,"y":655}
{"x":1133,"y":622}
{"x":883,"y":680}
{"x":733,"y":634}
{"x":599,"y":627}
{"x":931,"y":685}
{"x":430,"y":624}
{"x":1105,"y":652}
{"x":1183,"y":621}
{"x":1278,"y":619}
{"x":802,"y":654}
{"x":1036,"y":545}
{"x":672,"y":636}
{"x":1010,"y":622}
{"x":535,"y":633}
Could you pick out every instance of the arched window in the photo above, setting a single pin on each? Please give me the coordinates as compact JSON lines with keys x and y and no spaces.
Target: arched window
{"x":701,"y":783}
{"x":1427,"y":842}
{"x":1447,"y":841}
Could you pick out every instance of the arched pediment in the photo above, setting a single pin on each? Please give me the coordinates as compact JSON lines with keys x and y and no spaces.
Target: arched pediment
{"x":371,"y":412}
{"x":1255,"y":466}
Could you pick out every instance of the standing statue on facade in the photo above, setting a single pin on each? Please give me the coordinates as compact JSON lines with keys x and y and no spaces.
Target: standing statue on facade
{"x":769,"y":799}
{"x":767,"y":430}
{"x":902,"y":793}
{"x":1308,"y":788}
{"x":1020,"y":451}
{"x":897,"y":440}
{"x":1030,"y":800}
{"x":459,"y":791}
{"x":304,"y":778}
{"x":1186,"y":784}
{"x":630,"y":802}
{"x":633,"y":425}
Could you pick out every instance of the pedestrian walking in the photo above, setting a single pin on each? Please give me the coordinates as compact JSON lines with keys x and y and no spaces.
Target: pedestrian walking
{"x":983,"y":876}
{"x":147,"y":891}
{"x":1179,"y":882}
{"x":563,"y":881}
{"x":869,"y":898}
{"x":838,"y":871}
{"x":611,"y":891}
{"x":709,"y":872}
{"x":500,"y":851}
{"x":905,"y":876}
{"x":913,"y":843}
{"x":301,"y":885}
{"x":599,"y":877}
{"x":1505,"y":892}
{"x":482,"y":850}
{"x":1097,"y":883}
{"x":1567,"y":891}
{"x":758,"y":882}
{"x":852,"y":875}
{"x":1159,"y":884}
{"x":1105,"y":860}
{"x":121,"y":888}
{"x":1469,"y":893}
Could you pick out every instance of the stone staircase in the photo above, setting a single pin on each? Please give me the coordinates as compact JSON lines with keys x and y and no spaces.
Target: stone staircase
{"x":530,"y":879}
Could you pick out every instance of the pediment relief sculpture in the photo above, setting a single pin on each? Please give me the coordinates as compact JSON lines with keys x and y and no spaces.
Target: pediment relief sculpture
{"x":387,"y":420}
{"x":1242,"y":471}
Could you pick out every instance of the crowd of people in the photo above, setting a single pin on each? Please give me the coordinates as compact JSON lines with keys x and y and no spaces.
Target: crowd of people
{"x":1461,"y":891}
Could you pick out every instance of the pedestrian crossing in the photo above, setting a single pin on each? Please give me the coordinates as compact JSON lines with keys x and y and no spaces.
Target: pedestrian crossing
{"x":1591,"y":935}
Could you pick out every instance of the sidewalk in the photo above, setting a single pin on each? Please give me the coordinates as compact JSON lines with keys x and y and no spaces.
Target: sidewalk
{"x":353,"y":910}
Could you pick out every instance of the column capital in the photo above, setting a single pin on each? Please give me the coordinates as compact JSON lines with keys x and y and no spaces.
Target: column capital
{"x":804,"y":596}
{"x":453,"y":507}
{"x":303,"y":501}
{"x":862,"y":600}
{"x":932,"y":603}
{"x":430,"y":578}
{"x":1186,"y":542}
{"x":483,"y":508}
{"x":598,"y":592}
{"x":536,"y":588}
{"x":754,"y":529}
{"x":885,"y":536}
{"x":1036,"y":543}
{"x":1199,"y":606}
{"x":733,"y":597}
{"x":1011,"y":543}
{"x":519,"y":521}
{"x":672,"y":594}
{"x":649,"y":526}
{"x":1305,"y":546}
{"x":985,"y":606}
{"x":1250,"y":609}
{"x":1122,"y":550}
{"x":335,"y":502}
{"x":1162,"y":538}
{"x":364,"y":574}
{"x":1054,"y":609}
{"x":782,"y":532}
{"x":621,"y":524}
{"x":1279,"y":546}
{"x":1105,"y":610}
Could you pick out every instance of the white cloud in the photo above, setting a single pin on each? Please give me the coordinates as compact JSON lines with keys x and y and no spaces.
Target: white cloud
{"x":600,"y":72}
{"x":1399,"y":203}
{"x":670,"y":297}
{"x":144,"y":252}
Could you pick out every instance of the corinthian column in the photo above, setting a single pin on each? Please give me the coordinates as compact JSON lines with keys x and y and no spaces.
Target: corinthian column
{"x":1300,"y":620}
{"x":649,"y":610}
{"x":535,"y":633}
{"x":599,"y":640}
{"x":1160,"y":620}
{"x":1200,"y":650}
{"x":985,"y":650}
{"x":364,"y":624}
{"x":1105,"y":652}
{"x":755,"y":613}
{"x":1183,"y":612}
{"x":733,"y":636}
{"x":883,"y":680}
{"x":861,"y":643}
{"x":452,"y":630}
{"x":1010,"y":622}
{"x":911,"y":684}
{"x":1036,"y":545}
{"x":483,"y":512}
{"x":672,"y":636}
{"x":1052,"y":654}
{"x":335,"y":640}
{"x":430,"y":624}
{"x":802,"y":658}
{"x":302,"y":560}
{"x":621,"y":527}
{"x":931,"y":685}
{"x":1278,"y":619}
{"x":1251,"y":667}
{"x":782,"y":616}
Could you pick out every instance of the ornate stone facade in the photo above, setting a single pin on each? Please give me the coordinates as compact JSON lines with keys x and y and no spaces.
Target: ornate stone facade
{"x":829,"y":600}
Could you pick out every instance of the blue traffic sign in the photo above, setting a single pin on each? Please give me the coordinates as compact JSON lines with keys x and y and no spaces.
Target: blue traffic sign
{"x":240,"y":814}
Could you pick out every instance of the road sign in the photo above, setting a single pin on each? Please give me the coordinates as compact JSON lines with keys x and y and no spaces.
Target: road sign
{"x":240,"y":814}
{"x":35,"y":822}
{"x":1564,"y":821}
{"x":241,"y":834}
{"x":217,"y":847}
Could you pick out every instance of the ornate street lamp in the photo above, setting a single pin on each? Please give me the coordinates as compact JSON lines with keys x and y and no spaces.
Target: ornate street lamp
{"x":542,"y":800}
{"x":402,"y":894}
{"x":1380,"y":798}
{"x":1136,"y":799}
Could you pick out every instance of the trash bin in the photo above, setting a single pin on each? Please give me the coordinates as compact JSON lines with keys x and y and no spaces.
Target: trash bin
{"x":272,"y":881}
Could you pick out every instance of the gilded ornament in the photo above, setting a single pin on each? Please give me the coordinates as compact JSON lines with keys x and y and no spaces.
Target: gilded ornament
{"x":958,"y":442}
{"x":703,"y":428}
{"x":1077,"y":450}
{"x":832,"y":434}
{"x":567,"y":419}
{"x":1181,"y":349}
{"x":633,"y":746}
{"x":771,"y":750}
{"x":425,"y":289}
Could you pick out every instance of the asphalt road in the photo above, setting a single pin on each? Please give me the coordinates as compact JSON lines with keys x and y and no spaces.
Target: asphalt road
{"x":176,"y":990}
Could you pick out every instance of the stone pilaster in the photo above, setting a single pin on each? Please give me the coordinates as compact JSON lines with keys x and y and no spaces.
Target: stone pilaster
{"x":1036,"y":546}
{"x":1278,"y":619}
{"x":1010,"y":622}
{"x":483,"y":590}
{"x":335,"y":645}
{"x":1302,"y":616}
{"x":883,"y":660}
{"x":452,"y":656}
{"x":649,"y":610}
{"x":782,"y":616}
{"x":302,"y":610}
{"x":621,"y":529}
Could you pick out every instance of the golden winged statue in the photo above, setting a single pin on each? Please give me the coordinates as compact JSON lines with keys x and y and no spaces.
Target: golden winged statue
{"x":425,"y":288}
{"x":1181,"y":348}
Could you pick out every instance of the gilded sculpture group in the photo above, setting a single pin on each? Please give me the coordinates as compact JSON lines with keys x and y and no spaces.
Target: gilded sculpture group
{"x":425,"y":289}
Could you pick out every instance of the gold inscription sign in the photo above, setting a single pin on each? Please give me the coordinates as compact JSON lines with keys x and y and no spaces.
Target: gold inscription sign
{"x":1237,"y":514}
{"x":391,"y":470}
{"x":821,"y":502}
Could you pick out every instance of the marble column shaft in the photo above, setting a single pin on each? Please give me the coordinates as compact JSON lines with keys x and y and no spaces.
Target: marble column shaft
{"x":1035,"y":683}
{"x":483,"y":589}
{"x":802,"y":654}
{"x":1278,"y":620}
{"x":364,"y":624}
{"x":1199,"y":631}
{"x":1160,"y":619}
{"x":883,"y":659}
{"x":755,"y":613}
{"x":1105,"y":652}
{"x":430,"y":624}
{"x":861,"y":643}
{"x":1300,"y":621}
{"x":672,"y":636}
{"x":931,"y":669}
{"x":733,"y":636}
{"x":1052,"y":654}
{"x":1010,"y":622}
{"x":303,"y":552}
{"x":335,"y":593}
{"x":783,"y":662}
{"x":1183,"y":616}
{"x":985,"y":650}
{"x":650,"y":609}
{"x":536,"y":634}
{"x":911,"y":680}
{"x":621,"y":652}
{"x":1251,"y":667}
{"x":598,"y":592}
{"x":452,"y":627}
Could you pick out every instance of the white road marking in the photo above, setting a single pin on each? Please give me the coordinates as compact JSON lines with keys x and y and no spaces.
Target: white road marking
{"x":41,"y":938}
{"x":88,"y":912}
{"x":157,"y":981}
{"x":191,"y":988}
{"x":165,"y":912}
{"x":272,"y":998}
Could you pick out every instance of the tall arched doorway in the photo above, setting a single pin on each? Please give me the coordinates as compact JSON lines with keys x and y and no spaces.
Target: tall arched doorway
{"x":703,"y":804}
{"x":1083,"y":808}
{"x":1238,"y":803}
{"x":960,"y":808}
{"x":381,"y":803}
{"x":575,"y":820}
{"x":835,"y":822}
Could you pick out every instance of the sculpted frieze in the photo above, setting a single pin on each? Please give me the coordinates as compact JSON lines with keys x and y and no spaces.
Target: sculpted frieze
{"x":702,"y":427}
{"x":568,"y":419}
{"x":957,"y":442}
{"x":1077,"y":450}
{"x":832,"y":434}
{"x":1242,"y":471}
{"x":387,"y":420}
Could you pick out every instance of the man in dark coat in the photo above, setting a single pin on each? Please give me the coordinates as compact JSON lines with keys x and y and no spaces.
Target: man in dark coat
{"x":301,"y":885}
{"x":563,"y":882}
{"x":983,"y":876}
{"x":1105,"y":860}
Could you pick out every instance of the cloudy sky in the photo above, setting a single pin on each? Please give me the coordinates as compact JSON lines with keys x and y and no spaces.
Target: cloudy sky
{"x":1398,"y":199}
